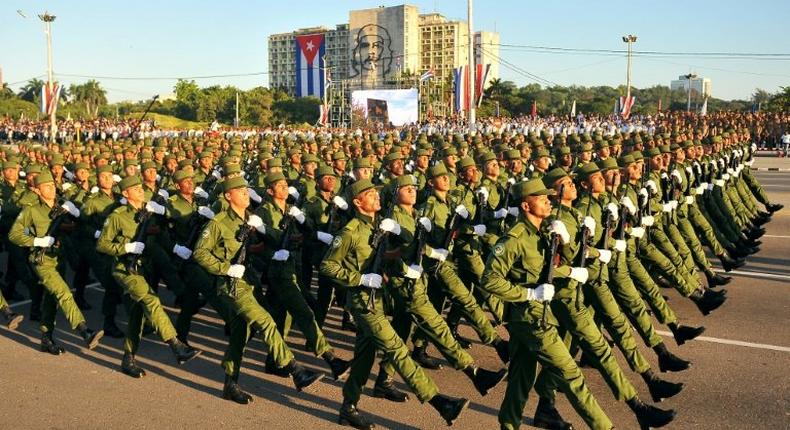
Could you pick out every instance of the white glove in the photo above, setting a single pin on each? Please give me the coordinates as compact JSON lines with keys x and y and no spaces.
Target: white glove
{"x":292,"y":191}
{"x":482,"y":194}
{"x":205,"y":212}
{"x":254,"y":195}
{"x":22,"y":174}
{"x":256,"y":222}
{"x":215,"y":173}
{"x":162,"y":192}
{"x":725,"y":176}
{"x":643,"y":192}
{"x":501,"y":213}
{"x":425,"y":223}
{"x":612,"y":208}
{"x":542,"y":293}
{"x":390,"y":226}
{"x":158,"y":177}
{"x":96,"y":234}
{"x":324,"y":237}
{"x":480,"y":229}
{"x":638,"y":232}
{"x":664,"y":175}
{"x":123,"y":201}
{"x":718,"y":182}
{"x":281,"y":255}
{"x":297,"y":214}
{"x":677,"y":176}
{"x":605,"y":256}
{"x":236,"y":270}
{"x":340,"y":202}
{"x":116,"y":178}
{"x":71,"y":209}
{"x":689,"y":200}
{"x":438,"y":254}
{"x":628,"y":204}
{"x":511,"y":181}
{"x":66,"y":186}
{"x":200,"y":192}
{"x":666,"y":207}
{"x":462,"y":211}
{"x":558,"y":227}
{"x":155,"y":207}
{"x":94,"y":189}
{"x":43,"y":242}
{"x":513,"y":211}
{"x":648,"y":220}
{"x":730,"y":171}
{"x":579,"y":274}
{"x":590,"y":223}
{"x":701,"y":189}
{"x":619,"y":245}
{"x":754,"y":147}
{"x":370,"y":280}
{"x":674,"y":204}
{"x":749,"y":163}
{"x":414,"y":271}
{"x":68,"y":175}
{"x":134,"y":248}
{"x":182,"y":252}
{"x":652,"y":185}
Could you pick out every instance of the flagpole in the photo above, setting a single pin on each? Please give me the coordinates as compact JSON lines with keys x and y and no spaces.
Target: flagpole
{"x":47,"y":19}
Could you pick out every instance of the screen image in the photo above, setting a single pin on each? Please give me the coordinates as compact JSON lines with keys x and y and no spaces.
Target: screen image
{"x":397,"y":107}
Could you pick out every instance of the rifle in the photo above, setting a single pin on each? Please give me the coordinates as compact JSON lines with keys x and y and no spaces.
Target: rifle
{"x":243,"y":236}
{"x":421,"y":238}
{"x":196,"y":224}
{"x":452,"y":231}
{"x":144,"y":220}
{"x":554,"y":248}
{"x":586,"y":237}
{"x":505,"y":206}
{"x":58,"y":216}
{"x":377,"y":239}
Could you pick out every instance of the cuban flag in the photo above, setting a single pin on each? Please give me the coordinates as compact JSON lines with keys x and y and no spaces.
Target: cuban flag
{"x":625,"y":106}
{"x":461,"y":80}
{"x":50,"y":94}
{"x":427,"y":75}
{"x":310,"y":50}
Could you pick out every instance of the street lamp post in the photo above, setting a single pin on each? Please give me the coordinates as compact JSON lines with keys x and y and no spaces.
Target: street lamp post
{"x":48,"y":19}
{"x":630,"y":39}
{"x":689,"y":77}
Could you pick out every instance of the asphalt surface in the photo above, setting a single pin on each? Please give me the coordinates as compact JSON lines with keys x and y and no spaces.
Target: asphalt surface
{"x":739,"y":379}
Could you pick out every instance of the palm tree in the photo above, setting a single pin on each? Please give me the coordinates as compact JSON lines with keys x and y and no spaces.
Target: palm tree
{"x":91,"y":94}
{"x":32,"y":90}
{"x":6,"y":92}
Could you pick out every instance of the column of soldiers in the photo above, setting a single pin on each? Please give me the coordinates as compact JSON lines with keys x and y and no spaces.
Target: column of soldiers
{"x":558,"y":238}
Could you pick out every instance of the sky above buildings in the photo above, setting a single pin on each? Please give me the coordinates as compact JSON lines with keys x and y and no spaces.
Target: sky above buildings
{"x":137,"y":49}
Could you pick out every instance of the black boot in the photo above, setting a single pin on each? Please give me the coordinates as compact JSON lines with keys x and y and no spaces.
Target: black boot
{"x":716,"y":280}
{"x":83,"y":304}
{"x":502,"y":349}
{"x":271,"y":368}
{"x":650,"y":416}
{"x":548,"y":417}
{"x":684,"y":333}
{"x":90,"y":337}
{"x":348,"y":323}
{"x":111,"y":329}
{"x":340,"y":368}
{"x":182,"y":351}
{"x":773,"y":207}
{"x":705,"y":302}
{"x":421,"y":357}
{"x":385,"y":389}
{"x":350,"y":416}
{"x":129,"y":366}
{"x":448,"y":407}
{"x":48,"y":345}
{"x":484,"y":380}
{"x":232,"y":391}
{"x":660,"y":389}
{"x":463,"y":342}
{"x":729,"y":264}
{"x":669,"y":362}
{"x":12,"y":319}
{"x":302,"y":377}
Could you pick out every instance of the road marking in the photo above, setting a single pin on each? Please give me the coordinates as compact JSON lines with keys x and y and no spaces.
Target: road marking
{"x":733,"y":342}
{"x":92,"y":286}
{"x":775,"y":235}
{"x":756,"y":274}
{"x":775,"y":186}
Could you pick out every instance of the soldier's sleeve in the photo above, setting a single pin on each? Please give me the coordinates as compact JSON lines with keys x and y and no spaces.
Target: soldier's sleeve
{"x":19,"y":233}
{"x":202,"y":254}
{"x":106,"y":244}
{"x":273,"y":235}
{"x":332,"y":267}
{"x":495,"y":279}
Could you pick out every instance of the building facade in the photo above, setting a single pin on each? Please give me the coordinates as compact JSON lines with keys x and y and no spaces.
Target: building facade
{"x":699,"y":85}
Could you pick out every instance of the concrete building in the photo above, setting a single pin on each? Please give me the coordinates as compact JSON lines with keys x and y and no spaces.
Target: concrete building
{"x":282,"y":55}
{"x":443,"y":45}
{"x":384,"y":42}
{"x":699,"y":85}
{"x":487,"y":52}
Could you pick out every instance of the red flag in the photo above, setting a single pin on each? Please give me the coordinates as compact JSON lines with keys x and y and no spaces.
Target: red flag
{"x":534,"y":112}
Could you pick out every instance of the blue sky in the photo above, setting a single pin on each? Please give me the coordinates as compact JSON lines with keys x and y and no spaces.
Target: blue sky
{"x":182,"y":38}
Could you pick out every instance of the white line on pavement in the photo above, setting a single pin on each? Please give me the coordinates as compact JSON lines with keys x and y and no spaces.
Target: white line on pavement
{"x":776,"y":236}
{"x":733,"y":342}
{"x":93,"y":286}
{"x":756,"y":274}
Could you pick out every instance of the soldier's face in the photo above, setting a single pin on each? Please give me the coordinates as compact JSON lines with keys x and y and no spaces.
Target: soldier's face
{"x":656,"y":162}
{"x":368,"y":201}
{"x":585,"y":156}
{"x":11,"y":174}
{"x":327,"y":183}
{"x":407,"y":195}
{"x":363,"y":173}
{"x":538,"y":206}
{"x":47,"y":191}
{"x":603,"y":152}
{"x":186,"y":187}
{"x":134,"y":194}
{"x":568,"y":188}
{"x":82,"y":175}
{"x":469,"y":174}
{"x":149,"y":175}
{"x":57,"y":170}
{"x":239,"y":198}
{"x":515,"y":166}
{"x":542,"y":163}
{"x":422,"y":162}
{"x":105,"y":180}
{"x":339,"y":164}
{"x":612,"y":178}
{"x":596,"y":183}
{"x":492,"y":169}
{"x":310,"y":167}
{"x":441,"y":183}
{"x":450,"y":160}
{"x":279,"y":190}
{"x":396,"y":167}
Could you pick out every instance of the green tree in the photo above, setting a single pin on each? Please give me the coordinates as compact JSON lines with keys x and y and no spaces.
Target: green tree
{"x":31,"y":92}
{"x":89,"y":95}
